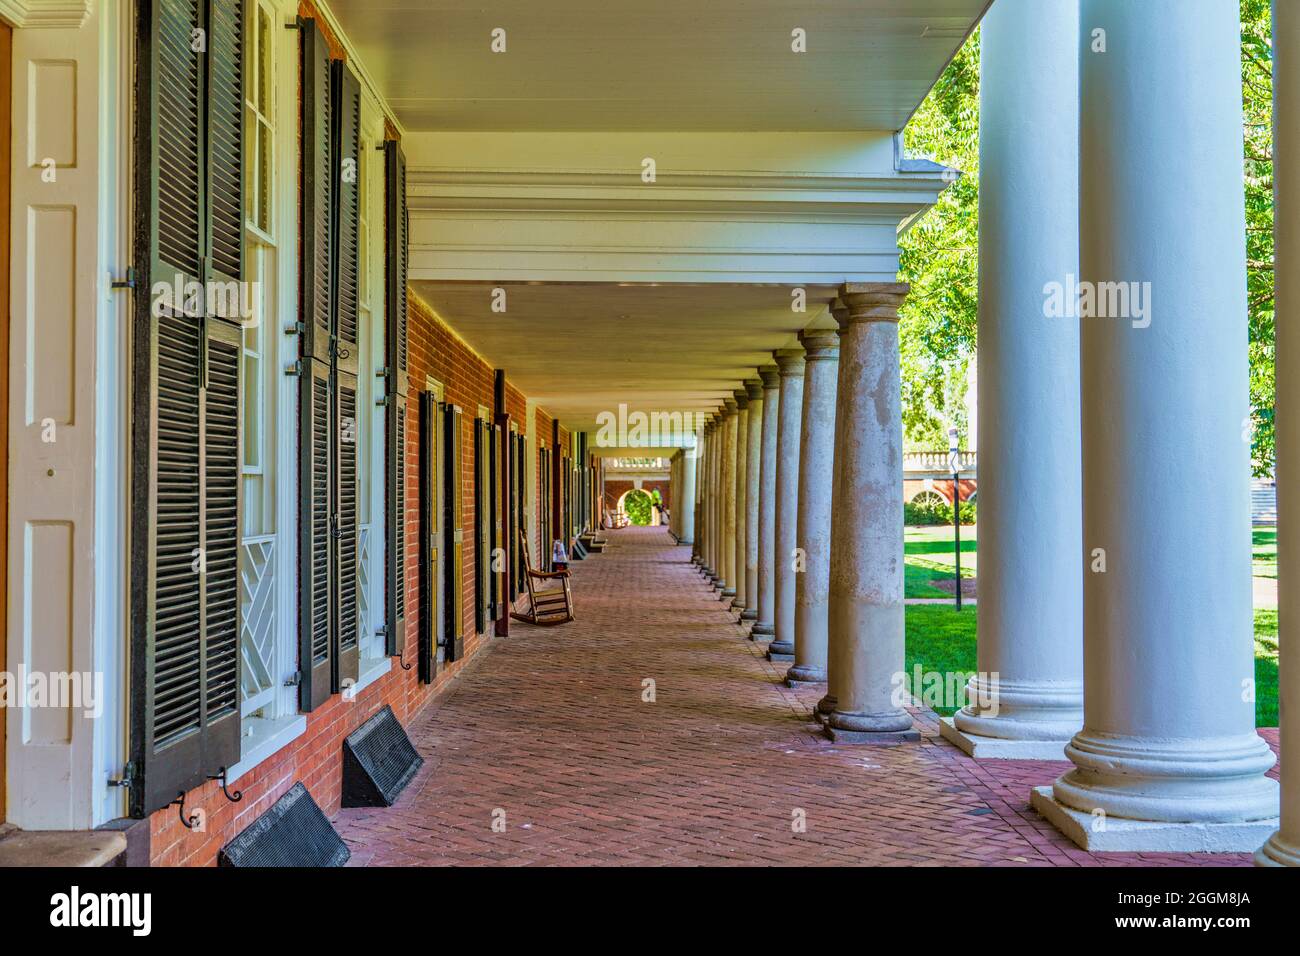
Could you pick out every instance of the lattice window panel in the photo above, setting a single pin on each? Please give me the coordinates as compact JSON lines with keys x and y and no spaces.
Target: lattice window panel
{"x":257,"y":621}
{"x":364,"y":627}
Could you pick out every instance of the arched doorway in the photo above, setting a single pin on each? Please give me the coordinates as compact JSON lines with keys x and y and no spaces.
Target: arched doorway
{"x":638,"y":506}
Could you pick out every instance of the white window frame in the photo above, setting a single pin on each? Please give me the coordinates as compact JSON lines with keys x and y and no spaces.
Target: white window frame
{"x":282,"y":723}
{"x":374,"y":659}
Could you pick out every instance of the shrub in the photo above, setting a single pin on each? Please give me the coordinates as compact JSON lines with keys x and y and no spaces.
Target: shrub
{"x":931,"y":514}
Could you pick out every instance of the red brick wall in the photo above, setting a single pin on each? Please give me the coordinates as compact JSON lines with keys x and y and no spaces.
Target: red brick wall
{"x":943,"y":486}
{"x":316,"y":757}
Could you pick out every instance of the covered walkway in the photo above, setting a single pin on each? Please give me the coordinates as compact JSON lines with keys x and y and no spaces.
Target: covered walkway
{"x":549,"y":735}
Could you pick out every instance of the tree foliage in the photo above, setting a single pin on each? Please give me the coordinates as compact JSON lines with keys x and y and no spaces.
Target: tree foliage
{"x":940,"y":253}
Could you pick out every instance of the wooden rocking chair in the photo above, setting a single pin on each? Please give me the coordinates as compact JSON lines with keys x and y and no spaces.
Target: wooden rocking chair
{"x":547,"y":606}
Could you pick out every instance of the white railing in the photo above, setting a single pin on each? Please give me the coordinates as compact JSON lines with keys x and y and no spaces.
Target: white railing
{"x":257,"y":621}
{"x":937,"y":461}
{"x":636,"y":464}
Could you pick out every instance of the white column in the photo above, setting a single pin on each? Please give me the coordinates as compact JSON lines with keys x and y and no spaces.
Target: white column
{"x":753,"y":467}
{"x":1026,"y":699}
{"x":686,"y":523}
{"x":742,"y":488}
{"x":816,"y":454}
{"x":1283,"y":847}
{"x":790,"y":362}
{"x":766,"y":568}
{"x":866,"y":565}
{"x":727,"y":498}
{"x":1168,"y":756}
{"x":840,"y":312}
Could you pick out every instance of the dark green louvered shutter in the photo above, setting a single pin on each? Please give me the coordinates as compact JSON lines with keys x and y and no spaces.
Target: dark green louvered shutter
{"x":453,"y":634}
{"x":186,"y":394}
{"x":316,"y":437}
{"x":346,"y":97}
{"x":397,"y":375}
{"x":496,"y":516}
{"x":430,"y":519}
{"x":481,"y":527}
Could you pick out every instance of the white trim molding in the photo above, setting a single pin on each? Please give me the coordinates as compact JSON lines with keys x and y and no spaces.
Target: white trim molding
{"x":59,"y":14}
{"x":662,"y":208}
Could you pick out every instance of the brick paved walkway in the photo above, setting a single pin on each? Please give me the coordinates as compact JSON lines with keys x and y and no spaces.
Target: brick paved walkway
{"x":550,"y":731}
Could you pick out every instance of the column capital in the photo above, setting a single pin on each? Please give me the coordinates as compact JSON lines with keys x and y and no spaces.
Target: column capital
{"x":771,"y":376}
{"x":872,"y":301}
{"x":754,"y":387}
{"x":820,"y":344}
{"x":789,"y":362}
{"x":742,"y":399}
{"x":731,"y":406}
{"x":840,"y":311}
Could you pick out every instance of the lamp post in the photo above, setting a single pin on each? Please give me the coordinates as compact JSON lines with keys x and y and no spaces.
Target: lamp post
{"x":954,"y":465}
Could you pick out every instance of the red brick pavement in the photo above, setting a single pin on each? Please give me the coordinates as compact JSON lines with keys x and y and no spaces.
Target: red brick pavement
{"x":549,"y":733}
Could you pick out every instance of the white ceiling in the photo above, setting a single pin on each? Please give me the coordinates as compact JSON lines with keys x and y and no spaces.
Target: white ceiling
{"x":663,"y":65}
{"x":583,"y":349}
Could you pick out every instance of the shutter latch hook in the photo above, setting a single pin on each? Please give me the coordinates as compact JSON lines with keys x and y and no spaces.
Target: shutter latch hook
{"x":233,"y":798}
{"x":190,"y":821}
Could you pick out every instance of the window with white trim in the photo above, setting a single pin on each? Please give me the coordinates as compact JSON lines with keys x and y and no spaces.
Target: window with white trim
{"x":267,"y":551}
{"x":370,"y":426}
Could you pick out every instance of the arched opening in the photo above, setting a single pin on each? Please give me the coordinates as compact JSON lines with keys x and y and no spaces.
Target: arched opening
{"x":637,"y":505}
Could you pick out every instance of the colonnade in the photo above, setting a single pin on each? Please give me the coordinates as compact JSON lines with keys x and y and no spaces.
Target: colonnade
{"x":1115,"y":625}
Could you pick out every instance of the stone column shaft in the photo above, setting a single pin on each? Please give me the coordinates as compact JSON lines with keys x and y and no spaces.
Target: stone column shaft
{"x":1283,"y":847}
{"x":753,"y":467}
{"x":1168,"y":753}
{"x":742,"y":488}
{"x":727,"y":497}
{"x":816,"y":454}
{"x":766,"y":566}
{"x":686,"y":527}
{"x":866,"y":565}
{"x":790,"y":362}
{"x":1026,"y":700}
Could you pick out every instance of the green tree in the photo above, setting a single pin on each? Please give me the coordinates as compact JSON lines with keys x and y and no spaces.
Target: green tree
{"x":1257,"y":96}
{"x":940,"y":256}
{"x":940,"y":252}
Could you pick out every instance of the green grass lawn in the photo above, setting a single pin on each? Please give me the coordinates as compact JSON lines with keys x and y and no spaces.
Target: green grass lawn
{"x":1264,"y":552}
{"x":942,"y":639}
{"x":928,"y":555}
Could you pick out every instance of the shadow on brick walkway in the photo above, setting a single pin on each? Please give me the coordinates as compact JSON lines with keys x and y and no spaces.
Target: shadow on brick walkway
{"x":549,"y":736}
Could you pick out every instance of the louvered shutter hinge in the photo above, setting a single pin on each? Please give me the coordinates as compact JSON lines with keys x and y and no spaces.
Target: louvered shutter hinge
{"x":127,"y":283}
{"x":294,"y":369}
{"x":294,"y":679}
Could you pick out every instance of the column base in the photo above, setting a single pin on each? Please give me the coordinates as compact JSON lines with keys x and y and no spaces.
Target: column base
{"x":738,"y":603}
{"x":1107,"y":834}
{"x":1211,"y":780}
{"x":726,"y":591}
{"x":763,"y":629}
{"x":805,"y":674}
{"x":890,"y":722}
{"x":825,"y":707}
{"x":1277,"y":852}
{"x":777,"y":657}
{"x":885,"y":737}
{"x":749,"y":614}
{"x":1000,"y":748}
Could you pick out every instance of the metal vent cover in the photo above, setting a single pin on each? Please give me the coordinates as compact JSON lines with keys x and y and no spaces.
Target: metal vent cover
{"x":378,"y":762}
{"x":294,"y":832}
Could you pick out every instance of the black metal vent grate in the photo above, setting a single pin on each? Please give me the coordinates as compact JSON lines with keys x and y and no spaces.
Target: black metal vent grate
{"x":378,"y":762}
{"x":294,"y":832}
